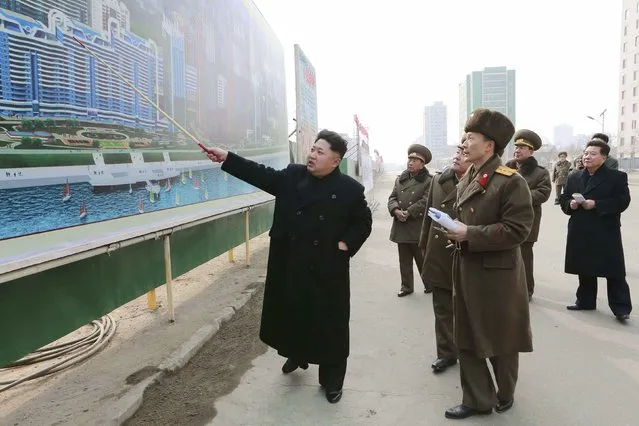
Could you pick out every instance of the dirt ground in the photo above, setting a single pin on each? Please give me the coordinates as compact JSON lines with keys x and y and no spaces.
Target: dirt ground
{"x":185,"y":398}
{"x":84,"y":394}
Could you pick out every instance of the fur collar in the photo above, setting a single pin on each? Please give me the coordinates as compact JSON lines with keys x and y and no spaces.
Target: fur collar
{"x":526,"y":167}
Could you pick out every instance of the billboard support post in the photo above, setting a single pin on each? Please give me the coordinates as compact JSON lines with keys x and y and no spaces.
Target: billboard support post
{"x":169,"y":277}
{"x":248,"y":237}
{"x":152,"y":300}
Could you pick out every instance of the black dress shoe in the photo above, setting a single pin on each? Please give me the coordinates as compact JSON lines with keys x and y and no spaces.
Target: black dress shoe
{"x":622,"y":318}
{"x":576,"y":307}
{"x":333,"y":396}
{"x":291,"y":365}
{"x":441,"y":364}
{"x":427,"y":291}
{"x":464,"y":411}
{"x":404,"y":293}
{"x":504,"y":406}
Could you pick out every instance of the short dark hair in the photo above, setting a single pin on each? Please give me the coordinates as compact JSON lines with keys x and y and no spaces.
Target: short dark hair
{"x":604,"y":148}
{"x":336,"y":142}
{"x":602,"y":136}
{"x":562,"y":153}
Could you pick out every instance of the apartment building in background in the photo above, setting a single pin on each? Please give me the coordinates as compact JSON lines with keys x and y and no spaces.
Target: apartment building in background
{"x":493,"y":88}
{"x":436,"y":130}
{"x":628,"y":86}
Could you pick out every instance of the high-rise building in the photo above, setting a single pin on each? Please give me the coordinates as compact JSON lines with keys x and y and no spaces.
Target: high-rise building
{"x":102,"y":12}
{"x":563,"y":135}
{"x":45,"y":73}
{"x":39,"y":9}
{"x":492,"y":88}
{"x":628,"y":83}
{"x":436,"y":130}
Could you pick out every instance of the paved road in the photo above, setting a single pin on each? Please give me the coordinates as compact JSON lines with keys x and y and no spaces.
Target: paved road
{"x":584,"y":371}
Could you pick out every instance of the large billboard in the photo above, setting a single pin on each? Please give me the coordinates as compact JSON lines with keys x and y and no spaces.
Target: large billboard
{"x":306,"y":104}
{"x":78,"y":145}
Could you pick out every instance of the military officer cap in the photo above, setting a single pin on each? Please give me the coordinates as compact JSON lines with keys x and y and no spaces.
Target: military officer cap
{"x":528,"y":138}
{"x":421,"y":152}
{"x":493,"y":125}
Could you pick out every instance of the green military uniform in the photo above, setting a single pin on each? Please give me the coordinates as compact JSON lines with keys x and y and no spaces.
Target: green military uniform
{"x":492,"y":319}
{"x":438,"y":262}
{"x":560,"y":172}
{"x":409,"y":195}
{"x":538,"y":180}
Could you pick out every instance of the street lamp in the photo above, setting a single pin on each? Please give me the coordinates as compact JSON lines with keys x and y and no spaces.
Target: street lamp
{"x":603,"y":116}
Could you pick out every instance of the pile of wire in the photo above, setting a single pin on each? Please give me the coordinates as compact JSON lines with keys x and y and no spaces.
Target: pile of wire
{"x":63,"y":355}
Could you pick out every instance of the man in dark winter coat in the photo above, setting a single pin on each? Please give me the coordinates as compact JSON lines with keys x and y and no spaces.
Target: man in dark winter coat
{"x":594,"y":248}
{"x":438,"y":260}
{"x":321,"y":220}
{"x":538,"y":179}
{"x":406,"y":205}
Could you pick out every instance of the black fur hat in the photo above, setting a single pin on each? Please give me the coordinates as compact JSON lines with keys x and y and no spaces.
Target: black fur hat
{"x":493,"y":125}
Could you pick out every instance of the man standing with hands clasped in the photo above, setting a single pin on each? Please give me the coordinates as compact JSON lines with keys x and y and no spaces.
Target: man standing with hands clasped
{"x":321,"y":220}
{"x":406,"y":205}
{"x":492,"y":320}
{"x":594,"y":199}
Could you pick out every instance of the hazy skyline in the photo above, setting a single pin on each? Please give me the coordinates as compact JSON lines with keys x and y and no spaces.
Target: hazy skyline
{"x":386,"y":63}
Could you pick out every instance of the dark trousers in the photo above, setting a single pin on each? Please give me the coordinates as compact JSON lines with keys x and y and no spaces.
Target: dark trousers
{"x":618,"y":294}
{"x":443,"y":307}
{"x":331,"y":376}
{"x":558,"y":190}
{"x":477,"y":383}
{"x":409,"y":252}
{"x":527,"y":256}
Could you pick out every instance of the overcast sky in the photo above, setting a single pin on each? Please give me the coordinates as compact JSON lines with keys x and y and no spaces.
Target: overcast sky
{"x":386,"y":60}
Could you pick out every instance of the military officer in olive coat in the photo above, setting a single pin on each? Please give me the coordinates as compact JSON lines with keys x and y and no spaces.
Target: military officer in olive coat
{"x":492,"y":320}
{"x":406,"y":206}
{"x":560,"y":172}
{"x":438,"y":260}
{"x":538,"y":179}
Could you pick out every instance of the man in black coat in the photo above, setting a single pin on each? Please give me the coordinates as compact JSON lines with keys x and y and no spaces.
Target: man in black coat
{"x":321,"y":220}
{"x":594,"y":248}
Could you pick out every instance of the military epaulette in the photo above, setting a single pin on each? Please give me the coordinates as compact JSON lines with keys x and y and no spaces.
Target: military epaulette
{"x":506,"y":171}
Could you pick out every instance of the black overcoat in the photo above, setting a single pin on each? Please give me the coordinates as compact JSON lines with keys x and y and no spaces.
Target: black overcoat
{"x":306,"y":307}
{"x":593,"y":246}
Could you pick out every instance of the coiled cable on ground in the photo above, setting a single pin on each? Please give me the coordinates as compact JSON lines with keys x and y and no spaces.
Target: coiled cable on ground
{"x":70,"y":353}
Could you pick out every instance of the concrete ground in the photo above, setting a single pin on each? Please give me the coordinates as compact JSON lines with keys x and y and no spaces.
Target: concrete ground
{"x":584,"y":370}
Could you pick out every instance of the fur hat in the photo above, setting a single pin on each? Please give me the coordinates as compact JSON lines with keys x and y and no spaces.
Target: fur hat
{"x":493,"y":125}
{"x":528,"y":138}
{"x":420,"y":151}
